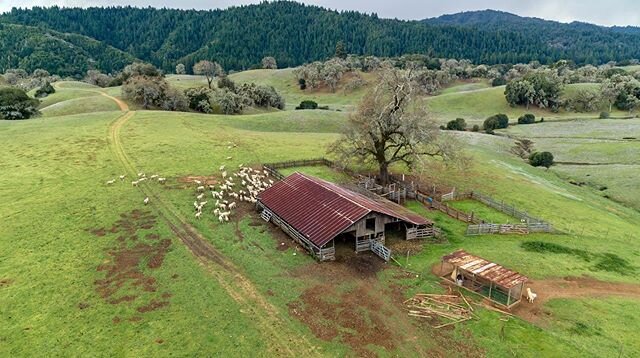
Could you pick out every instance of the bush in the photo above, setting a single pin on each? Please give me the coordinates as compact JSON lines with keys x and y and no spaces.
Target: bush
{"x":16,"y":104}
{"x":475,"y":128}
{"x":261,"y":95}
{"x":226,"y":82}
{"x":199,"y":99}
{"x":457,"y":124}
{"x":498,"y":81}
{"x":302,"y":83}
{"x":45,"y":90}
{"x":308,"y":104}
{"x":527,"y":119}
{"x":541,"y":159}
{"x":604,"y":115}
{"x":496,"y":121}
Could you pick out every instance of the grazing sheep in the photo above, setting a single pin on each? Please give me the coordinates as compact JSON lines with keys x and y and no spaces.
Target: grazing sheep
{"x":203,"y":203}
{"x":109,"y":182}
{"x":198,"y":182}
{"x":222,"y":206}
{"x":122,"y":176}
{"x":153,"y":176}
{"x":195,"y":205}
{"x":232,"y":205}
{"x":216,"y":211}
{"x":212,"y":187}
{"x":221,"y":167}
{"x":199,"y":197}
{"x":140,"y":174}
{"x":221,"y":218}
{"x":530,"y":295}
{"x":162,"y":180}
{"x":200,"y":188}
{"x":229,"y":158}
{"x":142,"y":179}
{"x":224,"y":174}
{"x":146,"y":200}
{"x":135,"y":183}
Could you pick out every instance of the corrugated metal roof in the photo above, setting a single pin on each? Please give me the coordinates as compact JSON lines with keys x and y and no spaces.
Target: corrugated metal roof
{"x":488,"y":270}
{"x":320,"y":210}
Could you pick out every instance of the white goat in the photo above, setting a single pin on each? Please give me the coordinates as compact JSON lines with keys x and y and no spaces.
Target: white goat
{"x":530,"y":295}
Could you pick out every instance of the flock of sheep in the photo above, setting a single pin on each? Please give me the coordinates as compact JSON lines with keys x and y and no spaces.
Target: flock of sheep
{"x":141,"y":177}
{"x":243,"y":185}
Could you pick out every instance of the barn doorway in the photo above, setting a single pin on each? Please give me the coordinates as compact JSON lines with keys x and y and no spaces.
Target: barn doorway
{"x":345,"y":245}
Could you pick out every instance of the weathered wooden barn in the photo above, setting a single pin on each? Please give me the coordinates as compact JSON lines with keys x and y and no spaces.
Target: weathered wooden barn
{"x":315,"y":212}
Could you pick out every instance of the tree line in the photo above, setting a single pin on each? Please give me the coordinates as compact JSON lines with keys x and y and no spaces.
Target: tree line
{"x":239,"y":37}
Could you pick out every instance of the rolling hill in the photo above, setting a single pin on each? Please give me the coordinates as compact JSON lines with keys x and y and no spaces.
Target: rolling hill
{"x":63,"y":54}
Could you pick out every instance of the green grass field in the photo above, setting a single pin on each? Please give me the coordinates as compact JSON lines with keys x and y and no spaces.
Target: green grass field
{"x":86,"y":269}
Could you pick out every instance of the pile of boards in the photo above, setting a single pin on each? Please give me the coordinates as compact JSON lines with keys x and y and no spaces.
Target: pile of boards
{"x":450,"y":309}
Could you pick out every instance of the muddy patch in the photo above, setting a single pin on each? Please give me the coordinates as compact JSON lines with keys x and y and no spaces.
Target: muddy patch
{"x":126,"y":280}
{"x":352,"y":317}
{"x":4,"y":282}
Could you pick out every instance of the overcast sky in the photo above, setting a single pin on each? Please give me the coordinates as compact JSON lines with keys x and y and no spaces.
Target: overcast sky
{"x":609,"y":12}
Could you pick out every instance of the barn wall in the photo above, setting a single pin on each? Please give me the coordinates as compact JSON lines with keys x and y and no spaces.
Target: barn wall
{"x":359,"y":228}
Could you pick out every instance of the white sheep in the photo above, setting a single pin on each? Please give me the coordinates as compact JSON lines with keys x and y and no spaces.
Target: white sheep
{"x":232,"y":205}
{"x":222,"y":206}
{"x":198,"y":214}
{"x":224,"y":174}
{"x":153,"y":176}
{"x":122,"y":176}
{"x":229,"y":158}
{"x":212,"y":187}
{"x":135,"y":183}
{"x":146,"y":200}
{"x":199,"y":197}
{"x":140,"y":174}
{"x":203,"y":203}
{"x":221,"y":167}
{"x":200,"y":188}
{"x":109,"y":182}
{"x":530,"y":295}
{"x":162,"y":180}
{"x":198,"y":182}
{"x":142,"y":179}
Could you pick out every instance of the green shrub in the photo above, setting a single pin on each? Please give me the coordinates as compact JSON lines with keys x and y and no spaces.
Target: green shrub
{"x":604,"y":115}
{"x":527,"y":119}
{"x":457,"y":124}
{"x":496,"y":121}
{"x":308,"y":104}
{"x":226,"y":82}
{"x":302,"y":83}
{"x":541,"y":159}
{"x":16,"y":104}
{"x":498,"y":81}
{"x":45,"y":90}
{"x":475,"y":128}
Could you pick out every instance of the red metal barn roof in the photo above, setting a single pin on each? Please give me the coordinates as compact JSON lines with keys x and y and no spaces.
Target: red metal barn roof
{"x":493,"y":272}
{"x":320,"y":210}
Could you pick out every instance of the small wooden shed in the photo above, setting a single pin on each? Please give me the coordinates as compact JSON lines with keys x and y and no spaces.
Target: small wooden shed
{"x":497,"y":283}
{"x":314,"y":212}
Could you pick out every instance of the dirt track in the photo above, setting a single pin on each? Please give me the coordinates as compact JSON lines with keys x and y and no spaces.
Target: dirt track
{"x":571,"y":287}
{"x":281,"y":340}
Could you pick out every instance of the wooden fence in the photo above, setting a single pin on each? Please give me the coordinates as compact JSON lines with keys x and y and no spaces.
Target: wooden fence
{"x":460,"y":215}
{"x":484,"y":229}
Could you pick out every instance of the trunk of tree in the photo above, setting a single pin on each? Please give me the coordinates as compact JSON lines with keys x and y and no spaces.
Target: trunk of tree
{"x":209,"y":81}
{"x":384,"y":174}
{"x":610,"y":104}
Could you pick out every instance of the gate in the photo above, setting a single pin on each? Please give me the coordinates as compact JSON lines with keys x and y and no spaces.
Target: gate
{"x":380,"y":250}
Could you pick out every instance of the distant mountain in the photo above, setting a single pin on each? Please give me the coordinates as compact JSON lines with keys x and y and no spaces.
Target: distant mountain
{"x":239,"y":37}
{"x":30,"y":48}
{"x":578,"y":41}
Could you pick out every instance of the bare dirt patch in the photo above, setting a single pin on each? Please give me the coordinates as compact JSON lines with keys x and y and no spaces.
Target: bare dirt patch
{"x":124,"y":280}
{"x":4,"y":282}
{"x":570,"y":287}
{"x":353,"y":317}
{"x":189,"y":180}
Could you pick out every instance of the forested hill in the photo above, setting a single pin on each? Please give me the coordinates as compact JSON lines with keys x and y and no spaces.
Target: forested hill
{"x":239,"y":37}
{"x":31,"y":48}
{"x":579,"y":41}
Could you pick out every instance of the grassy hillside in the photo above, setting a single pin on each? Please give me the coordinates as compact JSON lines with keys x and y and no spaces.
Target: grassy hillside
{"x":476,"y":105}
{"x":123,"y":272}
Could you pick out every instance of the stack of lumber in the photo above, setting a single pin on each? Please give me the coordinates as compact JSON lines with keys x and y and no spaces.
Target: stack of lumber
{"x":444,"y":309}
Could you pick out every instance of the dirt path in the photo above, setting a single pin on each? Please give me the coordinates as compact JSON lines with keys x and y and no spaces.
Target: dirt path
{"x":281,"y":340}
{"x":571,"y":287}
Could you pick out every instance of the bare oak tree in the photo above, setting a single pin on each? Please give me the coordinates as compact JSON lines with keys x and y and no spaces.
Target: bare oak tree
{"x":389,"y":127}
{"x":208,"y":69}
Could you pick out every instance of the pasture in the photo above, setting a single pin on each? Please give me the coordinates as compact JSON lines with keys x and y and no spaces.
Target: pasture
{"x":108,"y":275}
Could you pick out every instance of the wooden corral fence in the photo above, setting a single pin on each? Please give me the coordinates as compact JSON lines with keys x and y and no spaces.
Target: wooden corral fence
{"x":422,"y":233}
{"x":485,"y":229}
{"x":498,"y":205}
{"x":460,"y":215}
